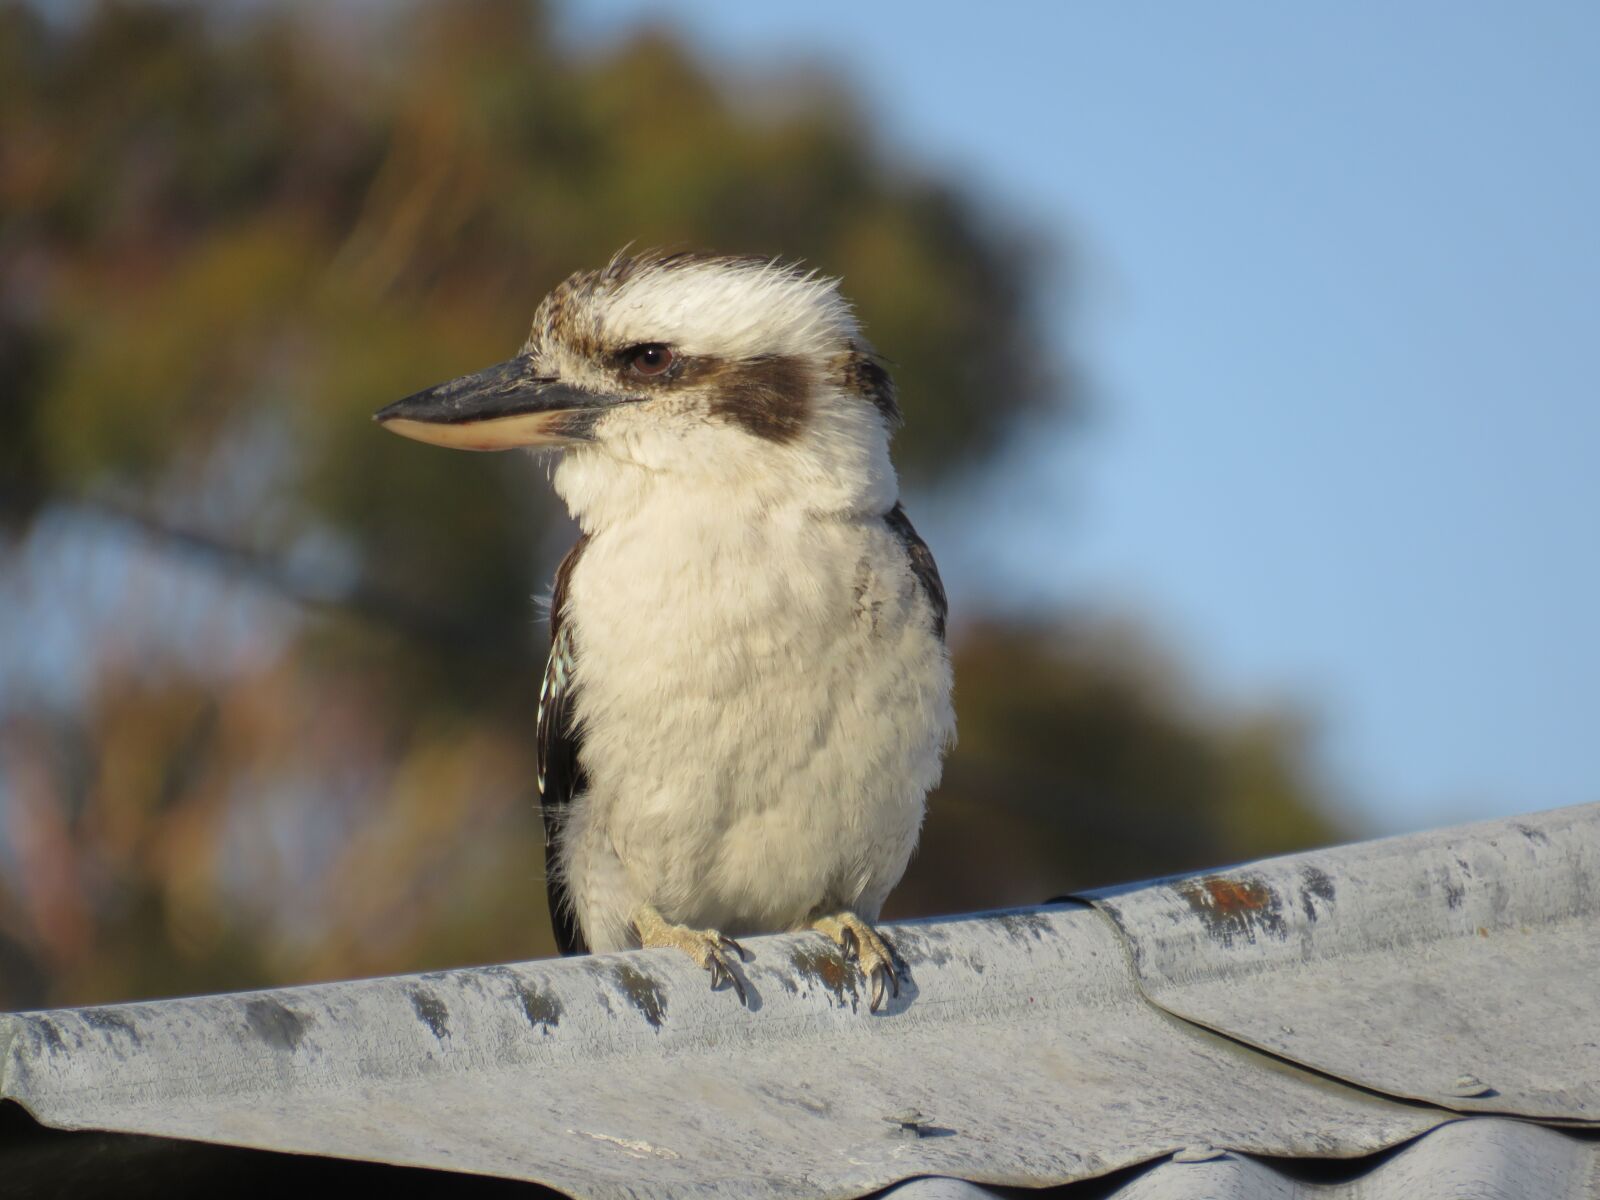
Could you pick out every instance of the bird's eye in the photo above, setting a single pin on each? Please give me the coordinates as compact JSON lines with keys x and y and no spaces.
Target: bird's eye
{"x":653,"y":359}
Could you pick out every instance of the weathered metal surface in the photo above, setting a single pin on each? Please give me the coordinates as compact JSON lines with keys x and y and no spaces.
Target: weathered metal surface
{"x":1020,"y":1041}
{"x":1460,"y":967}
{"x":940,"y":1189}
{"x":1483,"y":1158}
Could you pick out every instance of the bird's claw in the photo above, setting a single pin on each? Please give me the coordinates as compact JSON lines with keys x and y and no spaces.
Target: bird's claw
{"x":711,"y":949}
{"x":880,"y":973}
{"x":722,"y":971}
{"x":728,"y":943}
{"x":865,"y":946}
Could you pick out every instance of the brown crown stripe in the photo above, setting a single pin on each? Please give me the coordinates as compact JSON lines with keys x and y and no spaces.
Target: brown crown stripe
{"x":557,"y":317}
{"x":769,"y":396}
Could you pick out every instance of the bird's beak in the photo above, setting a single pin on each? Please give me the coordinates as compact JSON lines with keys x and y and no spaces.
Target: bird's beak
{"x":505,"y":406}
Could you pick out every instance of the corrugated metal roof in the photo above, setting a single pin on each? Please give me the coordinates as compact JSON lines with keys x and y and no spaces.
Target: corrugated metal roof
{"x":1482,"y":1158}
{"x":1448,"y":967}
{"x":1021,"y":1038}
{"x":1023,"y":1049}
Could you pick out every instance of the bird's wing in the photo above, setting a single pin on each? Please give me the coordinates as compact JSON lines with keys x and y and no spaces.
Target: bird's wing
{"x":560,"y":773}
{"x":922,"y":564}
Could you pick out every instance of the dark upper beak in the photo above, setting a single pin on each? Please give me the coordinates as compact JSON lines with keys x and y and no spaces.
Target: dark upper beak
{"x":504,"y":406}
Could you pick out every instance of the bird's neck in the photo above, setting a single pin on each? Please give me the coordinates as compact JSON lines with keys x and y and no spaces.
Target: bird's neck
{"x":728,"y":476}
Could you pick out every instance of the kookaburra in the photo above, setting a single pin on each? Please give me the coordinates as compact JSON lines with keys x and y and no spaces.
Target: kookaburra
{"x":747,"y":698}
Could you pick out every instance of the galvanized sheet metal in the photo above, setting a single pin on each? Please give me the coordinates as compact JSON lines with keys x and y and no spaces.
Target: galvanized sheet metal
{"x":940,"y":1189}
{"x":1020,"y":1040}
{"x":1482,"y":1158}
{"x":1460,"y":967}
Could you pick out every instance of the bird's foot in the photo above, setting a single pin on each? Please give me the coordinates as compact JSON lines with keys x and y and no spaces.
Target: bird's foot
{"x":864,"y":946}
{"x":713,"y":951}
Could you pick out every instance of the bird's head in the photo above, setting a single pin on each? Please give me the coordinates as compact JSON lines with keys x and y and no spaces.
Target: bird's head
{"x":692,"y":365}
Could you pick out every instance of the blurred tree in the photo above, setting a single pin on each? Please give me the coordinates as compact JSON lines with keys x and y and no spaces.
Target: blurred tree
{"x":222,"y":245}
{"x":1085,"y":760}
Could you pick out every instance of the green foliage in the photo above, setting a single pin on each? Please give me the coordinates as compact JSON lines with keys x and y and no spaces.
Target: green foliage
{"x":223,"y":244}
{"x":278,"y":228}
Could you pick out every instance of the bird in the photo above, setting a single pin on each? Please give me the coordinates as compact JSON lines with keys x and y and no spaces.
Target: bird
{"x":748,"y":693}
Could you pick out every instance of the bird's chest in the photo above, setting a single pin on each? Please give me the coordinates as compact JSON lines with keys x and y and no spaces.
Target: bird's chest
{"x":689,"y":630}
{"x":742,"y":692}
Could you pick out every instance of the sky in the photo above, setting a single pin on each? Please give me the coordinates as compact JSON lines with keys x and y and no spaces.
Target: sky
{"x":1333,"y":276}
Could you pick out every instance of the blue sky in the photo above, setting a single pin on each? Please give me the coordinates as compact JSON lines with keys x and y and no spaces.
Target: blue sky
{"x":1336,"y":287}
